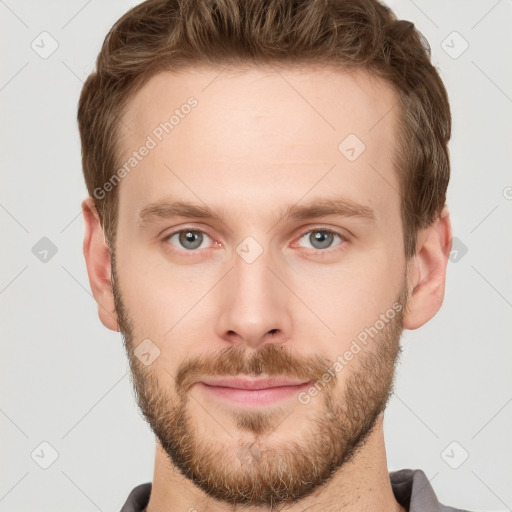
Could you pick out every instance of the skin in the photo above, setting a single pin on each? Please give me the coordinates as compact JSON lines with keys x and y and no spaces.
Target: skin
{"x":259,"y":140}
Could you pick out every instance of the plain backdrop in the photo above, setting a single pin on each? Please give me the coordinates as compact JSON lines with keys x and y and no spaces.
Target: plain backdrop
{"x":65,"y":379}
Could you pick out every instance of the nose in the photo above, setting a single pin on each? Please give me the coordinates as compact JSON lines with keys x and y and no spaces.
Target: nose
{"x":255,"y":304}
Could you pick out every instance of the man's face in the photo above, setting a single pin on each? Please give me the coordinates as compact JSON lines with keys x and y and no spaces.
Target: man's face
{"x":255,"y":294}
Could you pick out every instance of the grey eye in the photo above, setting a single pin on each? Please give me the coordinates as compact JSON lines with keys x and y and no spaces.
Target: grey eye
{"x":188,"y":239}
{"x":320,"y":238}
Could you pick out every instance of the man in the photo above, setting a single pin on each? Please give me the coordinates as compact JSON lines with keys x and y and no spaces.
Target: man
{"x":300,"y":148}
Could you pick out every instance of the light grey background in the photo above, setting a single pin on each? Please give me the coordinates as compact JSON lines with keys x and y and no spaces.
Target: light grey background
{"x":65,"y":378}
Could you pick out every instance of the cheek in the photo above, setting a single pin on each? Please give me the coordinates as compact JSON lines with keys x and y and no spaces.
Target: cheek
{"x":349,"y":297}
{"x":156,"y":295}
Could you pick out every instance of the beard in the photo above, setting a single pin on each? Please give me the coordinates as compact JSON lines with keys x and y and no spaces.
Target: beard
{"x":249,"y":466}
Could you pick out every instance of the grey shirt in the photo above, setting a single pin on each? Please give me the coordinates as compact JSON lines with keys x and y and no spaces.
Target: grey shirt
{"x":410,"y":487}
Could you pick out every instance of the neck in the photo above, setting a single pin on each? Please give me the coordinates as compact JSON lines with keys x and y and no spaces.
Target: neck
{"x":361,"y":484}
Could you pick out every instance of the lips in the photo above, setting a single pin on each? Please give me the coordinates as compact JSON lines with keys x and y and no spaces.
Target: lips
{"x":244,"y":392}
{"x":251,"y":384}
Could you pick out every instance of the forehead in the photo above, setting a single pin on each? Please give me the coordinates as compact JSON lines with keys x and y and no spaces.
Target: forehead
{"x":272,"y":132}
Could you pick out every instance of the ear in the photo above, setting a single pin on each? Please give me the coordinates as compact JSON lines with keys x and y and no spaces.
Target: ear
{"x":97,"y":258}
{"x":427,"y":272}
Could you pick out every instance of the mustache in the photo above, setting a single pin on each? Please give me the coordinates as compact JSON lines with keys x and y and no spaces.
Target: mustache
{"x":272,"y":360}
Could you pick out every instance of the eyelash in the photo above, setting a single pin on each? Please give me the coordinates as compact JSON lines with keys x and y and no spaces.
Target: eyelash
{"x":315,"y":251}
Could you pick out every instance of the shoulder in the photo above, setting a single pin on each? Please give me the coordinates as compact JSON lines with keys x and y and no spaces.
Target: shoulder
{"x":413,"y":490}
{"x":138,"y":498}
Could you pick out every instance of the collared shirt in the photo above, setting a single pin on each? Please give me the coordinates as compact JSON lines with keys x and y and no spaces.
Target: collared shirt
{"x":410,"y":487}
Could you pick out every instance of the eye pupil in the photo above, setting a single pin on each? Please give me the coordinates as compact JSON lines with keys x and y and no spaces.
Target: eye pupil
{"x":324,"y":238}
{"x":190,"y":237}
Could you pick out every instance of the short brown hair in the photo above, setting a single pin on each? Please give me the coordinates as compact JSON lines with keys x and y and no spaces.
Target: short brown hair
{"x":160,"y":35}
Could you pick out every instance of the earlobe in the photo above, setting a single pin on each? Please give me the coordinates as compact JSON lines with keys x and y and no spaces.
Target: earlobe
{"x":427,"y":272}
{"x":97,"y":258}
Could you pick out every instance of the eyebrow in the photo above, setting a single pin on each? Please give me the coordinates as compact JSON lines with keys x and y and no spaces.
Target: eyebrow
{"x":342,"y":207}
